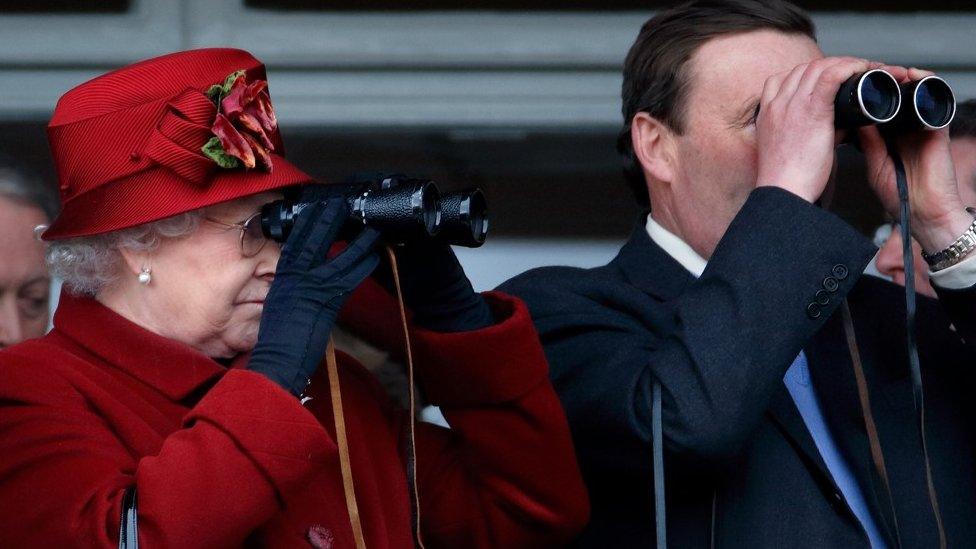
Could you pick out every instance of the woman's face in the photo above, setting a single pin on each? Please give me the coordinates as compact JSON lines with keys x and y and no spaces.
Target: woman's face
{"x":204,"y":292}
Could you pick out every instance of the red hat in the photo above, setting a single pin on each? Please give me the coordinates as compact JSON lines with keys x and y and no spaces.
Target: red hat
{"x":163,"y":137}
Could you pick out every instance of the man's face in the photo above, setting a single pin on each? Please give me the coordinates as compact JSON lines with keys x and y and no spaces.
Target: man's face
{"x":963,"y":151}
{"x":715,"y":166}
{"x":24,"y":282}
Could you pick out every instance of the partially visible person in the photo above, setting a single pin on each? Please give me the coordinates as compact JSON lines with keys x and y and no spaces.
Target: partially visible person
{"x":25,"y":286}
{"x":963,"y":149}
{"x":890,"y":261}
{"x":181,"y":382}
{"x":726,"y":304}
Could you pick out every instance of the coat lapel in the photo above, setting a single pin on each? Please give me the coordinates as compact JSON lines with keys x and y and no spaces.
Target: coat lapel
{"x":648,"y":267}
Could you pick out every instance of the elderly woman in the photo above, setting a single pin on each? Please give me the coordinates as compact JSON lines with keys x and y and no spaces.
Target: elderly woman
{"x":181,"y":384}
{"x":24,"y":282}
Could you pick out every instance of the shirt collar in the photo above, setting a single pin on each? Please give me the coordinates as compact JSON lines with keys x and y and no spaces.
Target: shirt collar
{"x":676,"y":248}
{"x":171,"y":367}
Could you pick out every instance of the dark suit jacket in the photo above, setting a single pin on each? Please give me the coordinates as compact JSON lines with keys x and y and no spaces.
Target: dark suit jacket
{"x":741,"y":468}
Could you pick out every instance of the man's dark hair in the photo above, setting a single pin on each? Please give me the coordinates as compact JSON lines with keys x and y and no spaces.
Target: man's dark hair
{"x":964,"y":124}
{"x":655,"y":77}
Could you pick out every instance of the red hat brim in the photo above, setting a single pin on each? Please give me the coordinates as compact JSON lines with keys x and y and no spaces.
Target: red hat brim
{"x":158,"y":194}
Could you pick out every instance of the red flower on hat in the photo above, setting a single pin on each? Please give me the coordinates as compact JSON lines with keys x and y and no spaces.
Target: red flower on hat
{"x":244,"y":121}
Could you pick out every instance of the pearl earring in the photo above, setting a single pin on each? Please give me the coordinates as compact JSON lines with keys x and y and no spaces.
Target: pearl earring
{"x":145,"y":277}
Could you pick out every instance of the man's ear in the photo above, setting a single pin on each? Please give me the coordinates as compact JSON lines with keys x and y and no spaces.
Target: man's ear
{"x":653,"y":146}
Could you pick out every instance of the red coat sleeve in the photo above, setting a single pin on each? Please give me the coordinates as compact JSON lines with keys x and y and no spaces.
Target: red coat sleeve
{"x":505,"y":474}
{"x":211,"y":483}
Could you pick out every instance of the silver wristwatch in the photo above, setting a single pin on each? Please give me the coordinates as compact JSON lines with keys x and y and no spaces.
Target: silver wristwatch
{"x":956,"y":251}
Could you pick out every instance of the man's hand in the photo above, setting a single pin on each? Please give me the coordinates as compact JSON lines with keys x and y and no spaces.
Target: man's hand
{"x":938,"y":213}
{"x":795,"y":127}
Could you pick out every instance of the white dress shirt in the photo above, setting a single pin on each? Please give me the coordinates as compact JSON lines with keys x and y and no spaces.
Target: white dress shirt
{"x":957,"y":277}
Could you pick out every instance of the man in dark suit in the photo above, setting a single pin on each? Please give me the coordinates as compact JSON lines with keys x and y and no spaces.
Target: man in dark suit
{"x":729,"y":294}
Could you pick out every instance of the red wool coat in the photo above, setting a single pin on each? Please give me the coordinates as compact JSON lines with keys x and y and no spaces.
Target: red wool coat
{"x":222,"y":457}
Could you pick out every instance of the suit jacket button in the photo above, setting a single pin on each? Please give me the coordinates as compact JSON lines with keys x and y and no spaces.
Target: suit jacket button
{"x":839,"y":271}
{"x":813,"y":311}
{"x":822,"y":297}
{"x":830,"y":284}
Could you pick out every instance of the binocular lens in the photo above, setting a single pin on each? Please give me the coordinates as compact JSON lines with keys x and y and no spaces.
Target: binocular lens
{"x":934,"y":102}
{"x":879,"y":96}
{"x":874,"y":97}
{"x":868,"y":98}
{"x":465,"y":221}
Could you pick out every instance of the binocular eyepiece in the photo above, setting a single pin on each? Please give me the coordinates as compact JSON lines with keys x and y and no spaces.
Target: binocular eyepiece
{"x":875,"y":97}
{"x":403,"y":209}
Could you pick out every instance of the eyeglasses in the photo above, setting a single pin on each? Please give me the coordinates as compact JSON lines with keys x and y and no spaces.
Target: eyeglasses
{"x":252,"y":238}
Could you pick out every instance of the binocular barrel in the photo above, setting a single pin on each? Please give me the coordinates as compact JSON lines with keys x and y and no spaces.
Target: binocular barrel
{"x":464,"y":218}
{"x":402,"y":209}
{"x":875,"y":97}
{"x":404,"y":213}
{"x":931,"y":104}
{"x":869,"y":98}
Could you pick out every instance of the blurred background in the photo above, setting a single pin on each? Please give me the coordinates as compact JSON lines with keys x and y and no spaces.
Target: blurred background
{"x":519,"y":98}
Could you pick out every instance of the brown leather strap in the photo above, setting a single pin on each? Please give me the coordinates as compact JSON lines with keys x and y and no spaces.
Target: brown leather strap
{"x":877,"y":456}
{"x":411,"y":438}
{"x":344,"y":463}
{"x":825,"y":201}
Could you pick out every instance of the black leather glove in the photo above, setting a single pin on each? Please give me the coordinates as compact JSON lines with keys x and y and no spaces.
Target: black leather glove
{"x":438,"y":292}
{"x":307,"y":293}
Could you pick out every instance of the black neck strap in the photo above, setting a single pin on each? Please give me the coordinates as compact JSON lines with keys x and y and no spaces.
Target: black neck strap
{"x":916,"y":371}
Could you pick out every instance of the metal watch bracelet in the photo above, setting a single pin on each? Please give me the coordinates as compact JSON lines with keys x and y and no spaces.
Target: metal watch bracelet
{"x":955,"y":252}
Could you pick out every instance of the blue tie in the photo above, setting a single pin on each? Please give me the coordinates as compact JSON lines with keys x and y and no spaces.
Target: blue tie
{"x":798,"y":383}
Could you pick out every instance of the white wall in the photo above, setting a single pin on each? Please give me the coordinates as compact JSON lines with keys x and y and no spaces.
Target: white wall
{"x":484,"y":69}
{"x":500,"y":259}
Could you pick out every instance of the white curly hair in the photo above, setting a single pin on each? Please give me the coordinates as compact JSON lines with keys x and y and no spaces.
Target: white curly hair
{"x":87,"y":264}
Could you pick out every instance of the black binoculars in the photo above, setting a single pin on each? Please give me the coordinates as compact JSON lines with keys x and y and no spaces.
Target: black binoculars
{"x":875,"y":97}
{"x":403,"y":209}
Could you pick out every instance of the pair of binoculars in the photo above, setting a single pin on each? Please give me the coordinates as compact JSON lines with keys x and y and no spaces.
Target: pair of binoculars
{"x":403,"y":209}
{"x":875,"y":97}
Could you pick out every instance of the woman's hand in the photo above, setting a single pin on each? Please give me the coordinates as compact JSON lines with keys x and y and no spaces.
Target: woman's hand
{"x":938,"y":213}
{"x":307,"y":293}
{"x":436,"y":289}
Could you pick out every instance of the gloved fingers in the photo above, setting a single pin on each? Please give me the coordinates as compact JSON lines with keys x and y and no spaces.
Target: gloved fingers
{"x":419,"y":264}
{"x":418,"y":252}
{"x":428,"y":270}
{"x":304,"y":223}
{"x":325,"y":228}
{"x":359,"y":246}
{"x":348,"y":280}
{"x":357,"y":272}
